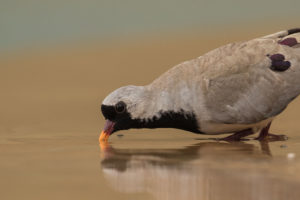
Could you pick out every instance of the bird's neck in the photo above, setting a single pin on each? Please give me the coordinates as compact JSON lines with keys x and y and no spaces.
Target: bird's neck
{"x":167,"y":109}
{"x":169,"y":99}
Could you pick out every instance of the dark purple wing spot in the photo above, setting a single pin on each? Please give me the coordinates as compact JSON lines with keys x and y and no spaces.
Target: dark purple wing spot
{"x":289,"y":42}
{"x":287,"y":64}
{"x":279,"y":63}
{"x":276,"y":64}
{"x":277,"y":57}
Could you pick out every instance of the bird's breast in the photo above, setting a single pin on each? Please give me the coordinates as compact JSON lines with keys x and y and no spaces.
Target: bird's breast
{"x":213,"y":128}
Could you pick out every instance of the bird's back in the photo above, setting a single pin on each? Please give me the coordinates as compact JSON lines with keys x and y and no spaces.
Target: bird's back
{"x":239,"y":83}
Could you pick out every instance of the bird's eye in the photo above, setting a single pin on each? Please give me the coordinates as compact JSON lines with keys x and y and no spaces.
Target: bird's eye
{"x":120,"y":107}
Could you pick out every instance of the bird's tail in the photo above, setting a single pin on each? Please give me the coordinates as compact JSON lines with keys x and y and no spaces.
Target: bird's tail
{"x":282,"y":34}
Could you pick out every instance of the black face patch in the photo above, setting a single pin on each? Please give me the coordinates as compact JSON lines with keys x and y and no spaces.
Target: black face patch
{"x":109,"y":112}
{"x":168,"y":119}
{"x":279,"y":63}
{"x":289,"y":42}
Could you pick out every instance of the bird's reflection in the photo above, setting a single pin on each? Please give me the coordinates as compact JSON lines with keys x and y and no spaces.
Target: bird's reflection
{"x":204,"y":170}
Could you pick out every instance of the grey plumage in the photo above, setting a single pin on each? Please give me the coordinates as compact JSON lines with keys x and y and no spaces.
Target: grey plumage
{"x":229,"y":89}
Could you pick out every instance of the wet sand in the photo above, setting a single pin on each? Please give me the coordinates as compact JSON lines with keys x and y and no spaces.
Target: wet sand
{"x":50,"y":121}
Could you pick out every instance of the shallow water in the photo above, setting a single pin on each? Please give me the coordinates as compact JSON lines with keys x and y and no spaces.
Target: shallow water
{"x":161,"y":165}
{"x":203,"y":169}
{"x":50,"y":121}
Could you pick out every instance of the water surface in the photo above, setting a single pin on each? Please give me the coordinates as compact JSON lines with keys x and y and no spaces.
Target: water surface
{"x":147,"y":165}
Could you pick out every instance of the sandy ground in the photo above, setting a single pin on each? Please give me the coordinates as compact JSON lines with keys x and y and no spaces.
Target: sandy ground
{"x":50,"y":120}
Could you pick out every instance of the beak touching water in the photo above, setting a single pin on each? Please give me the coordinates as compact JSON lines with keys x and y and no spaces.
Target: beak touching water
{"x":107,"y":131}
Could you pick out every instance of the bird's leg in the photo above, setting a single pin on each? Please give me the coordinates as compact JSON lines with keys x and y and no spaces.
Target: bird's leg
{"x":265,"y":135}
{"x":238,"y":135}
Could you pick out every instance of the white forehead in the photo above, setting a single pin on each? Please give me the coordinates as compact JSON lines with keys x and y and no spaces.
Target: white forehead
{"x":127,"y":94}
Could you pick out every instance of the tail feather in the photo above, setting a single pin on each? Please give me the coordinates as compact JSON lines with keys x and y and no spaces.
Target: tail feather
{"x":294,"y":30}
{"x":282,"y":34}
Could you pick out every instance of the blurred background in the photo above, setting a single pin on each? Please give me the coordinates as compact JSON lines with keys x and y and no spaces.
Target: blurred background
{"x":60,"y":58}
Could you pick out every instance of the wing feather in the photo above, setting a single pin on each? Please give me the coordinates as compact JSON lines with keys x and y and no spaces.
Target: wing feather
{"x":243,"y":89}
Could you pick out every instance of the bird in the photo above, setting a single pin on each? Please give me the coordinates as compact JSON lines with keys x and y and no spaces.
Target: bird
{"x":236,"y":89}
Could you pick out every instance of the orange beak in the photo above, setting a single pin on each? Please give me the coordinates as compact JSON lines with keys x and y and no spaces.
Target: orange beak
{"x":107,"y":131}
